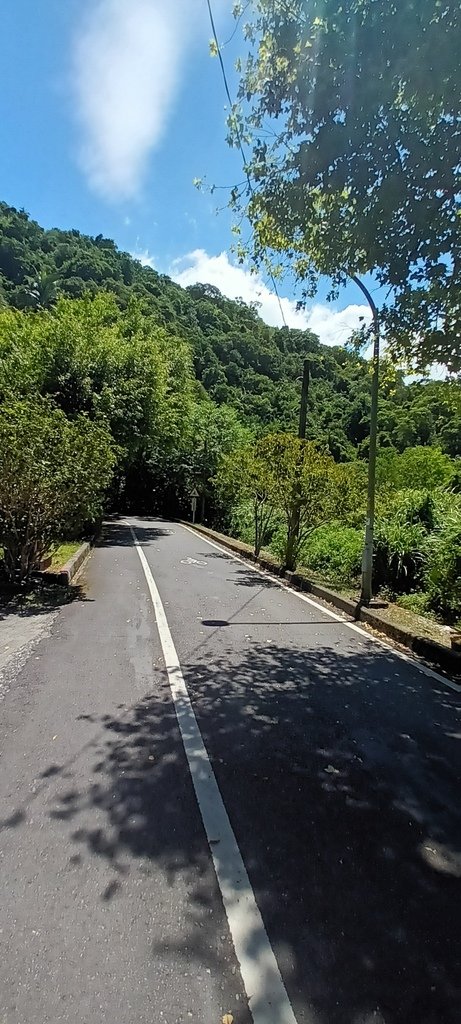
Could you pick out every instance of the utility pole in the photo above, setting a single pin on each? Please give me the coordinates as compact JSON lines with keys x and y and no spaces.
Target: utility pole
{"x":293,"y":527}
{"x":367,"y":558}
{"x":205,"y":476}
{"x":304,"y":394}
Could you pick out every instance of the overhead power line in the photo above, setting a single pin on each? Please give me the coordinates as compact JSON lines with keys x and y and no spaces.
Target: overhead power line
{"x":239,"y":139}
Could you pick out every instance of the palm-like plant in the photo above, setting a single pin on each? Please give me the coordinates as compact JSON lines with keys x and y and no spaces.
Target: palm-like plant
{"x":41,"y":292}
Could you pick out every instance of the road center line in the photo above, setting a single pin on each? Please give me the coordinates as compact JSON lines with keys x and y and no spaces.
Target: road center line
{"x":267,"y":996}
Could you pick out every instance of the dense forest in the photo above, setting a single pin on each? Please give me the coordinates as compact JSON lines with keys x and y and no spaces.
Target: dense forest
{"x":121,"y":386}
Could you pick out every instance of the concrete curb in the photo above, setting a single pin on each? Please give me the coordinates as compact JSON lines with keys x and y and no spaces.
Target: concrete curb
{"x":443,"y":657}
{"x":66,"y":574}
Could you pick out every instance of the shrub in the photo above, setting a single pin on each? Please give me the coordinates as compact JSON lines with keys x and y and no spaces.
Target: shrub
{"x":242,"y":525}
{"x":286,"y":478}
{"x":308,"y":489}
{"x":424,"y":466}
{"x":334,"y":552}
{"x":443,"y":572}
{"x":53,"y":476}
{"x":414,"y":506}
{"x":402,"y":528}
{"x":399,"y":555}
{"x":278,"y":540}
{"x":242,"y":522}
{"x":245,"y":481}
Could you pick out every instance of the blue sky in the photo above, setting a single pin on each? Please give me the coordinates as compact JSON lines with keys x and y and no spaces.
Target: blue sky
{"x":108,"y":111}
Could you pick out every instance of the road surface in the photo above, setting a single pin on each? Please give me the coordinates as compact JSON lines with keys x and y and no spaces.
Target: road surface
{"x":250,"y":774}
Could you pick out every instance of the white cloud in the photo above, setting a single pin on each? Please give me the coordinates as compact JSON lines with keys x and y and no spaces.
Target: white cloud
{"x":125,"y":71}
{"x":236,"y":282}
{"x":333,"y":326}
{"x":144,"y":257}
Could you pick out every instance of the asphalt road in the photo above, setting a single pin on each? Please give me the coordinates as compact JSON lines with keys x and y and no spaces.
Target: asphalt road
{"x":337,"y":763}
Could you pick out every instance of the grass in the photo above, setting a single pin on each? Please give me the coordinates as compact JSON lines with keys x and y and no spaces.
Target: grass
{"x":62,"y":554}
{"x":419,"y":624}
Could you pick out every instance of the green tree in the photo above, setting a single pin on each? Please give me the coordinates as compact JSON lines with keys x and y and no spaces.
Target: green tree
{"x":215,"y":431}
{"x":90,"y":357}
{"x":245,"y":475}
{"x":280,"y":474}
{"x":352,"y":113}
{"x":139,"y":350}
{"x":423,"y":467}
{"x":53,"y":478}
{"x":306,"y":486}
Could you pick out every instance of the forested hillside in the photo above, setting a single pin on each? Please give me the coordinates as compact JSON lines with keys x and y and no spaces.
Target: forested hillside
{"x":239,"y":360}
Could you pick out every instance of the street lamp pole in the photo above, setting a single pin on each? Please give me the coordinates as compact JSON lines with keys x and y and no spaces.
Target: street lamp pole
{"x":367,"y":559}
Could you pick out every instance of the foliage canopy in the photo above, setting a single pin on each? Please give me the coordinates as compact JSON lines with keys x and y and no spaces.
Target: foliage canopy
{"x":53,"y":477}
{"x":352,"y":113}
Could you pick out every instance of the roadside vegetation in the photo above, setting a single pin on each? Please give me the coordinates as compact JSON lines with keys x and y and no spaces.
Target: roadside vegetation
{"x":296,"y":502}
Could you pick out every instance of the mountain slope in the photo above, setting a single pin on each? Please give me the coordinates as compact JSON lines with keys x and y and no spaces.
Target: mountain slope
{"x":239,"y":360}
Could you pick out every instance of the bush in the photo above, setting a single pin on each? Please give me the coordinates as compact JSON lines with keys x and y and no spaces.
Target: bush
{"x":414,"y":506}
{"x":53,"y":477}
{"x":423,"y":466}
{"x":285,"y":477}
{"x":278,"y":540}
{"x":447,"y":509}
{"x":399,"y":555}
{"x":242,"y":522}
{"x":334,"y":552}
{"x":242,"y":525}
{"x":443,"y":572}
{"x":401,"y":538}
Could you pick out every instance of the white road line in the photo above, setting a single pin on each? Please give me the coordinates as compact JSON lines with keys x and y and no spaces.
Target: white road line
{"x":333,"y":615}
{"x":267,"y":996}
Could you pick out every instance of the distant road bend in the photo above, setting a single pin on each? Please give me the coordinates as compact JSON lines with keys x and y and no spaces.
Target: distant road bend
{"x":220,"y":803}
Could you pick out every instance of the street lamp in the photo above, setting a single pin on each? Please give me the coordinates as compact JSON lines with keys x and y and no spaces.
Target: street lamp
{"x":367,"y":558}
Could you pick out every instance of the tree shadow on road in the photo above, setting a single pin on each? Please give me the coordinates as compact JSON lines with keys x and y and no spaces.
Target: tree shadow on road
{"x":38,"y":598}
{"x":116,"y":533}
{"x":248,"y":578}
{"x":340,"y":771}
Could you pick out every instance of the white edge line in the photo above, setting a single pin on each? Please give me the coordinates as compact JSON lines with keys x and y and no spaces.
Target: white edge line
{"x":267,"y":996}
{"x":320,"y":607}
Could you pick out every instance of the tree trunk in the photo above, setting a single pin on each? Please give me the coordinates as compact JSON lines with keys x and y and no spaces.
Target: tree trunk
{"x":292,"y":541}
{"x":257,"y":524}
